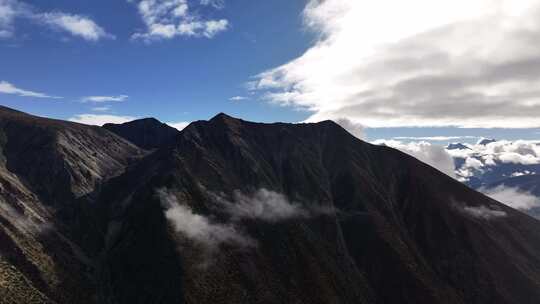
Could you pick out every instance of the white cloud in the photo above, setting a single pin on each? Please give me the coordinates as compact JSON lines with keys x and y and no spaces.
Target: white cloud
{"x":266,"y":205}
{"x":179,"y":125}
{"x":484,"y":212}
{"x":199,"y":228}
{"x":76,"y":25}
{"x":433,"y":138}
{"x":166,"y":19}
{"x":513,"y":197}
{"x":99,"y":99}
{"x":73,"y":24}
{"x":433,"y":155}
{"x":8,"y":11}
{"x":355,"y":128}
{"x":101,"y":109}
{"x":237,"y":98}
{"x":8,"y":88}
{"x":263,"y":205}
{"x":100,"y":119}
{"x":468,"y":63}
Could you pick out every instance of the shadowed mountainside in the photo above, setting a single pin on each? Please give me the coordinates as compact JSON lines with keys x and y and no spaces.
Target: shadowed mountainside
{"x":45,"y":167}
{"x":147,"y":133}
{"x":238,"y":212}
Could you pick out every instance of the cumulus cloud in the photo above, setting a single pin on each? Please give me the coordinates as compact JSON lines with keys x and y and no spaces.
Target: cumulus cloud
{"x":8,"y":88}
{"x":467,"y":63}
{"x":485,"y":155}
{"x":355,"y":128}
{"x":513,"y":197}
{"x":167,"y":19}
{"x":76,"y":25}
{"x":484,"y":212}
{"x":199,"y":228}
{"x":433,"y":155}
{"x":179,"y":125}
{"x":98,"y":99}
{"x":100,"y":119}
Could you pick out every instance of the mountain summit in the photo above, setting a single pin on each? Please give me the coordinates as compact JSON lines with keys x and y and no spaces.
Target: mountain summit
{"x":232,"y":211}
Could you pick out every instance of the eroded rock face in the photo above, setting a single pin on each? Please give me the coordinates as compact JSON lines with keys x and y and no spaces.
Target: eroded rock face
{"x":238,"y":212}
{"x":46,"y":167}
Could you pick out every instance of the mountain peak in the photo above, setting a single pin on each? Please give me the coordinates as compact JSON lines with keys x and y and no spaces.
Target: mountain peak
{"x":224,"y":117}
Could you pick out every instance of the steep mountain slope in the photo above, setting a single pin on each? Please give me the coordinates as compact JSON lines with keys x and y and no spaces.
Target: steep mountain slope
{"x":46,"y":166}
{"x":148,"y":133}
{"x":240,"y":212}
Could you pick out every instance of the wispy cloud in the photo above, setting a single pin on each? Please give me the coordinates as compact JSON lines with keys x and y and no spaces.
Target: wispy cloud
{"x":98,"y":99}
{"x":76,"y":25}
{"x":101,"y":109}
{"x":199,"y":228}
{"x":100,"y":119}
{"x":237,"y":98}
{"x":416,"y":63}
{"x":171,"y":18}
{"x":8,"y":88}
{"x":266,"y":205}
{"x":434,"y":138}
{"x":484,"y":212}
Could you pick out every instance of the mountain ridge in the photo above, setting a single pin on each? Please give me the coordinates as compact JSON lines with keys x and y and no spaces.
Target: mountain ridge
{"x":344,"y":222}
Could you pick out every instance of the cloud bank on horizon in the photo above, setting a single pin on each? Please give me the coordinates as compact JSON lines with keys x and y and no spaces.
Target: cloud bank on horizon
{"x":422,"y":63}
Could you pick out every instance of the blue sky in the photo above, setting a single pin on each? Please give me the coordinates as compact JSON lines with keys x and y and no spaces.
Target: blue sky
{"x":286,"y":60}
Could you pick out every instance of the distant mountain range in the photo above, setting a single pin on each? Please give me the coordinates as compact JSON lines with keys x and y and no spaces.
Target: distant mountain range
{"x":230,"y":211}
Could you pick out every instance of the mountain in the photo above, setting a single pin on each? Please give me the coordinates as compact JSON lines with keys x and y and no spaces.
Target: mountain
{"x":457,"y":146}
{"x":45,"y":167}
{"x":148,"y":133}
{"x":232,"y":211}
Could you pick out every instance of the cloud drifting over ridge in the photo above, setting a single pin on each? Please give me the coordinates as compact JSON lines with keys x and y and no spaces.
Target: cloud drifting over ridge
{"x":433,"y":155}
{"x":166,"y":19}
{"x":421,"y":63}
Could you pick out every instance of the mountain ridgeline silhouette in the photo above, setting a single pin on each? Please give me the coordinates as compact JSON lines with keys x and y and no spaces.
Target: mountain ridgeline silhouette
{"x":230,"y":211}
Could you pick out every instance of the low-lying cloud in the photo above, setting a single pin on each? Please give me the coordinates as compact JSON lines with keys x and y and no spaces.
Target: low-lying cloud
{"x":484,"y":212}
{"x":513,"y":197}
{"x":199,"y":228}
{"x":266,"y":205}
